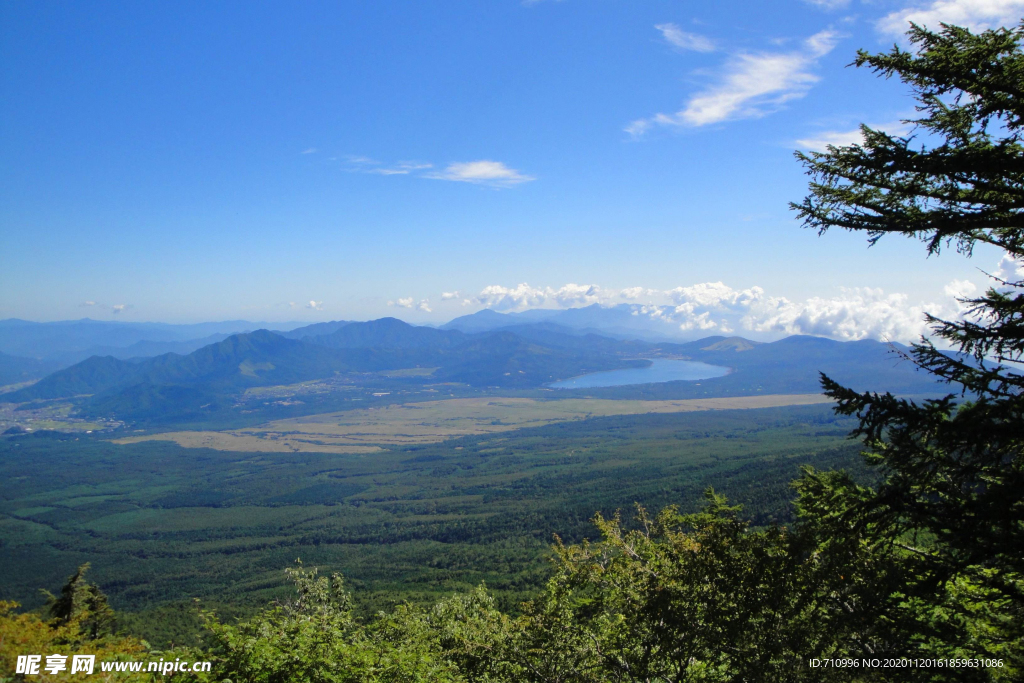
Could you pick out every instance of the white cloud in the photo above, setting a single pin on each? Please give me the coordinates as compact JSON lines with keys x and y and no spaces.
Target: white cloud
{"x":699,"y":322}
{"x":716,"y":308}
{"x":819,"y":142}
{"x":360,"y":160}
{"x":960,"y":289}
{"x":525,"y":296}
{"x":88,"y":303}
{"x":311,"y":150}
{"x":752,"y":85}
{"x":505,"y":298}
{"x":483,"y":172}
{"x":714,"y":294}
{"x":410,"y":302}
{"x":118,"y":308}
{"x":828,"y":4}
{"x":837,"y":138}
{"x":1009,"y":270}
{"x":858,"y":313}
{"x":445,"y":296}
{"x":401,"y":168}
{"x":685,"y":41}
{"x":639,"y":127}
{"x":315,"y":305}
{"x":633,"y":293}
{"x":576,"y":295}
{"x":976,"y":15}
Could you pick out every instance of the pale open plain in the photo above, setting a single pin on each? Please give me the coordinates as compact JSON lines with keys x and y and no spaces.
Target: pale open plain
{"x":367,"y":430}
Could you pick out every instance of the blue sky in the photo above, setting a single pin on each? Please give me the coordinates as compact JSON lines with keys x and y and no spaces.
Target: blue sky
{"x":200,"y":161}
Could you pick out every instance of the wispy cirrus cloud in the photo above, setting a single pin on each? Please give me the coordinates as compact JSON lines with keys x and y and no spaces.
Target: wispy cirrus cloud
{"x":483,"y":172}
{"x":116,"y":309}
{"x":401,"y":168}
{"x":683,"y":40}
{"x":829,"y":4}
{"x":751,"y":85}
{"x":976,"y":15}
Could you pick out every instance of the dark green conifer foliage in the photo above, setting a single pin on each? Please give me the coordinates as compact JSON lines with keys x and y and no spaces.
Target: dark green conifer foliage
{"x":951,"y":498}
{"x":84,"y":602}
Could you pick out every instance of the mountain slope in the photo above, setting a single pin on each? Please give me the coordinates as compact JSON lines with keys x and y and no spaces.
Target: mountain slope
{"x":242,"y":360}
{"x":314,"y":330}
{"x":388,"y":334}
{"x":91,"y":376}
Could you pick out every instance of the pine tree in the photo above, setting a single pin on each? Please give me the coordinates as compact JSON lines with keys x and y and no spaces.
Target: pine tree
{"x":951,"y":495}
{"x":82,"y":602}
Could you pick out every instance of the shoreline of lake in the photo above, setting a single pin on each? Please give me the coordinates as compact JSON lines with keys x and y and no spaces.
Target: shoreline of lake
{"x":660,"y":370}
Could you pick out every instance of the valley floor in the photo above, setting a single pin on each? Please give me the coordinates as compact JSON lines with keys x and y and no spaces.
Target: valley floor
{"x":162,"y":523}
{"x":367,"y":430}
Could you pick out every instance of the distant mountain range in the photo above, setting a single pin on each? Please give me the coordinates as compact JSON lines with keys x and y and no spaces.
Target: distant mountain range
{"x":70,"y":341}
{"x":519,"y":356}
{"x":263,"y":358}
{"x":624,"y":321}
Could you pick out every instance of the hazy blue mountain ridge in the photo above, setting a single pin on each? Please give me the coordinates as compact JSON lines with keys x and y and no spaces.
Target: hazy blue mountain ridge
{"x":70,"y":341}
{"x":388,"y":334}
{"x":622,"y":321}
{"x":314,"y":330}
{"x":17,"y":369}
{"x":526,"y":356}
{"x":265,"y":358}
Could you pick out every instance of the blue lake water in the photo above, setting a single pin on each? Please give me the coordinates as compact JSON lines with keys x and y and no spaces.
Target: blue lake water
{"x":660,"y":370}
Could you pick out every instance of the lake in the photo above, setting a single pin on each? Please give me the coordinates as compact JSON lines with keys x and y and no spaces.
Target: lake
{"x":660,"y":370}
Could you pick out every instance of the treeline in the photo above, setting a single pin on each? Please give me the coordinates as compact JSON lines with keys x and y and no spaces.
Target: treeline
{"x":695,"y":597}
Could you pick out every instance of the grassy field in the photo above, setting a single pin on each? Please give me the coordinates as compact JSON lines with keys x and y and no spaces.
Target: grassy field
{"x":251,"y":443}
{"x":364,"y":430}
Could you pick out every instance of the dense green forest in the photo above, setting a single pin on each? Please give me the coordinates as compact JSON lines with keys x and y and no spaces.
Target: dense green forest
{"x":160,"y":523}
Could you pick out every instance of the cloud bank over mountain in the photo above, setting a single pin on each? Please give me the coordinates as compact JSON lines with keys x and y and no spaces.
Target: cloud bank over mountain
{"x":705,"y":308}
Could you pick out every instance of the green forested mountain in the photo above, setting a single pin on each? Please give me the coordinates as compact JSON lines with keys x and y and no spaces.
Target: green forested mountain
{"x":387,"y":334}
{"x":242,"y":360}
